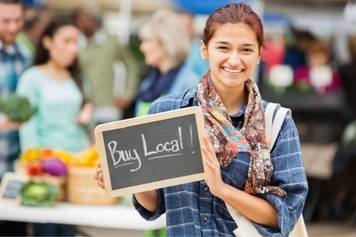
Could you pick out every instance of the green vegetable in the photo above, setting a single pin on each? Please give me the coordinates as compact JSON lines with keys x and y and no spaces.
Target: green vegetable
{"x":38,"y":194}
{"x":16,"y":108}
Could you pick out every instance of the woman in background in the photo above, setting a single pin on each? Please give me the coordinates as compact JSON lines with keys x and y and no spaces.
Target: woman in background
{"x":55,"y":88}
{"x":53,"y":85}
{"x":319,"y":73}
{"x":165,"y":45}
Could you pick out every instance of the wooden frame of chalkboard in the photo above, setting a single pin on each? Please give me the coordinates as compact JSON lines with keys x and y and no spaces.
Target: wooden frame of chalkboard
{"x":152,"y":151}
{"x":11,"y":185}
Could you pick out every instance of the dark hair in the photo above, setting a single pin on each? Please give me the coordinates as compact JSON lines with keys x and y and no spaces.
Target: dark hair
{"x":233,"y":13}
{"x":352,"y":47}
{"x":42,"y":54}
{"x":19,"y":2}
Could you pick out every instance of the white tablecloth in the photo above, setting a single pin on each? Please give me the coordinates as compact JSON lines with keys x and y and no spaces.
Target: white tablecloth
{"x":118,"y":217}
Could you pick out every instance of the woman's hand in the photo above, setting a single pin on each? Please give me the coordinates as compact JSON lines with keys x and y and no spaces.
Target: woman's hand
{"x":212,"y":168}
{"x":99,"y":177}
{"x":255,"y":208}
{"x":6,"y":125}
{"x":147,"y":199}
{"x":122,"y":102}
{"x":85,"y":114}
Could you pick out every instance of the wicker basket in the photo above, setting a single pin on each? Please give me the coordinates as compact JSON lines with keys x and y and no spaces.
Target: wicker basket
{"x":83,"y":189}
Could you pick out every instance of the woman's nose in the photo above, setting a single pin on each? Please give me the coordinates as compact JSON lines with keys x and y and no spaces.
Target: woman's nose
{"x":234,"y":58}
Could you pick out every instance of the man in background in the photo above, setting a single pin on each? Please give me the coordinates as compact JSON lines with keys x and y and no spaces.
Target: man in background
{"x":13,"y":60}
{"x":99,"y":59}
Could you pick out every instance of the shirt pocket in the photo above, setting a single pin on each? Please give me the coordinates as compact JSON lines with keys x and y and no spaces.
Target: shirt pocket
{"x":235,"y":173}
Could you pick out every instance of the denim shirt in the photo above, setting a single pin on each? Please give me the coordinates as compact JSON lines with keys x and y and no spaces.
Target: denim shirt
{"x":191,"y":209}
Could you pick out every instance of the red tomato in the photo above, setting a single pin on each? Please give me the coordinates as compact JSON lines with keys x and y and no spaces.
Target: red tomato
{"x":34,"y":169}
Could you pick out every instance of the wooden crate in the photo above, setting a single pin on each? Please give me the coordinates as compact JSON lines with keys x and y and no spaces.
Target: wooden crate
{"x":83,"y":189}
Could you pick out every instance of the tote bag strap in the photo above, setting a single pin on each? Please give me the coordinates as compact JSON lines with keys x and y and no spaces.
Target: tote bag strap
{"x":272,"y":129}
{"x":273,"y":126}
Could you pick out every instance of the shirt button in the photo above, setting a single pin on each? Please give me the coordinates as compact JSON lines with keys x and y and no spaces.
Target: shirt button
{"x":205,"y":218}
{"x":206,"y":189}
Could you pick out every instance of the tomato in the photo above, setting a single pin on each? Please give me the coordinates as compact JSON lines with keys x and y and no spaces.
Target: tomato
{"x":34,"y":168}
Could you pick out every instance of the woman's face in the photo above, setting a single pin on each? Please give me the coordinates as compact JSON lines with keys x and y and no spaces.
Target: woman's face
{"x":153,"y":51}
{"x":318,"y":59}
{"x":233,"y":53}
{"x":63,"y":47}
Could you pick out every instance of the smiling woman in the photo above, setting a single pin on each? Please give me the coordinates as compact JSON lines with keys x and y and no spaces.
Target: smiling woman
{"x":268,"y":188}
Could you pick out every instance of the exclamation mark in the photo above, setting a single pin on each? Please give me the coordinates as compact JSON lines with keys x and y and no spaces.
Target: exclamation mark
{"x":191,"y":138}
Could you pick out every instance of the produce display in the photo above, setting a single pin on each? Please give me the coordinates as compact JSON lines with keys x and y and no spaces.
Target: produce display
{"x":67,"y":176}
{"x":87,"y":158}
{"x":46,"y":161}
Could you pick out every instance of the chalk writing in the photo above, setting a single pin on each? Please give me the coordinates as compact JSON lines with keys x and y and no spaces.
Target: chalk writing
{"x":151,"y":151}
{"x":124,"y":157}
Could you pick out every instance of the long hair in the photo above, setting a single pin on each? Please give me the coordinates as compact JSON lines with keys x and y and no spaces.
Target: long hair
{"x":42,"y":54}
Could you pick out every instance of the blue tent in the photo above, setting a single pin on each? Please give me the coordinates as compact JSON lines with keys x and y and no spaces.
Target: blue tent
{"x":29,"y":3}
{"x":203,"y":6}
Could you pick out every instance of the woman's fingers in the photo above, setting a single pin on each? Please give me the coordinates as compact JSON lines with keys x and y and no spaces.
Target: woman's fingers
{"x":208,"y":151}
{"x":99,"y":177}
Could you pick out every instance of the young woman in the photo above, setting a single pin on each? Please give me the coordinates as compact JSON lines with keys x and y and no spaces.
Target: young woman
{"x":267,"y":188}
{"x":54,"y":86}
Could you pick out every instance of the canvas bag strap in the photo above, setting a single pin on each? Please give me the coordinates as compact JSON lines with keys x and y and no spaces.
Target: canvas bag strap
{"x":273,"y":126}
{"x":269,"y":111}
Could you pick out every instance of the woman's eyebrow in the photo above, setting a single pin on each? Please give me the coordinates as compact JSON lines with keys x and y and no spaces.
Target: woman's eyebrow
{"x":222,"y":42}
{"x":243,"y":45}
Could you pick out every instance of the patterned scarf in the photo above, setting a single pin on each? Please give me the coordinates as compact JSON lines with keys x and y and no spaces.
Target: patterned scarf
{"x":228,"y":141}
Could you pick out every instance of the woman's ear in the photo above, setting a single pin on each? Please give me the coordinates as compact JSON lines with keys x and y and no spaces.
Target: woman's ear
{"x":203,"y":50}
{"x":258,"y":60}
{"x":47,"y":42}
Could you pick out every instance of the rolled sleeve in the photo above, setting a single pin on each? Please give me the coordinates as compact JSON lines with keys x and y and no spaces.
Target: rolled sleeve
{"x":150,"y":216}
{"x":289,"y":174}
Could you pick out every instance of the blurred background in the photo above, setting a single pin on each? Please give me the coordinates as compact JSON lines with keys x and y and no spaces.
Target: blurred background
{"x":308,"y":64}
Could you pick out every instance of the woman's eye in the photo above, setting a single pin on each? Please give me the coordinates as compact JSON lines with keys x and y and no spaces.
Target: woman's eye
{"x":246,"y":50}
{"x":223,"y":48}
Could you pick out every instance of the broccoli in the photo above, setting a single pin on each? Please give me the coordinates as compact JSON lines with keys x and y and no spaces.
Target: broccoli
{"x":16,"y":108}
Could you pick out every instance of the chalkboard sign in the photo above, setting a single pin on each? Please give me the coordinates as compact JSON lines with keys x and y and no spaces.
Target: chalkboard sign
{"x":11,"y":186}
{"x":152,"y":151}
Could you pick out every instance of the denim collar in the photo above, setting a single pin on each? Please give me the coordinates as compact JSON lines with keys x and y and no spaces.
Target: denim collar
{"x":189,"y":98}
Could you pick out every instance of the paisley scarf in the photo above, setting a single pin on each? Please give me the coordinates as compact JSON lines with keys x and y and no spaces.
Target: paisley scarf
{"x":228,"y":141}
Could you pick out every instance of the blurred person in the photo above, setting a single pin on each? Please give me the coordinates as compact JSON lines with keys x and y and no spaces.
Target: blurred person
{"x":100,"y":52}
{"x":347,"y":75}
{"x":337,"y":198}
{"x":318,"y":73}
{"x":13,"y":60}
{"x":36,"y":20}
{"x":297,"y":44}
{"x":165,"y":45}
{"x":55,"y":87}
{"x":273,"y":52}
{"x":193,"y":61}
{"x":268,"y":188}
